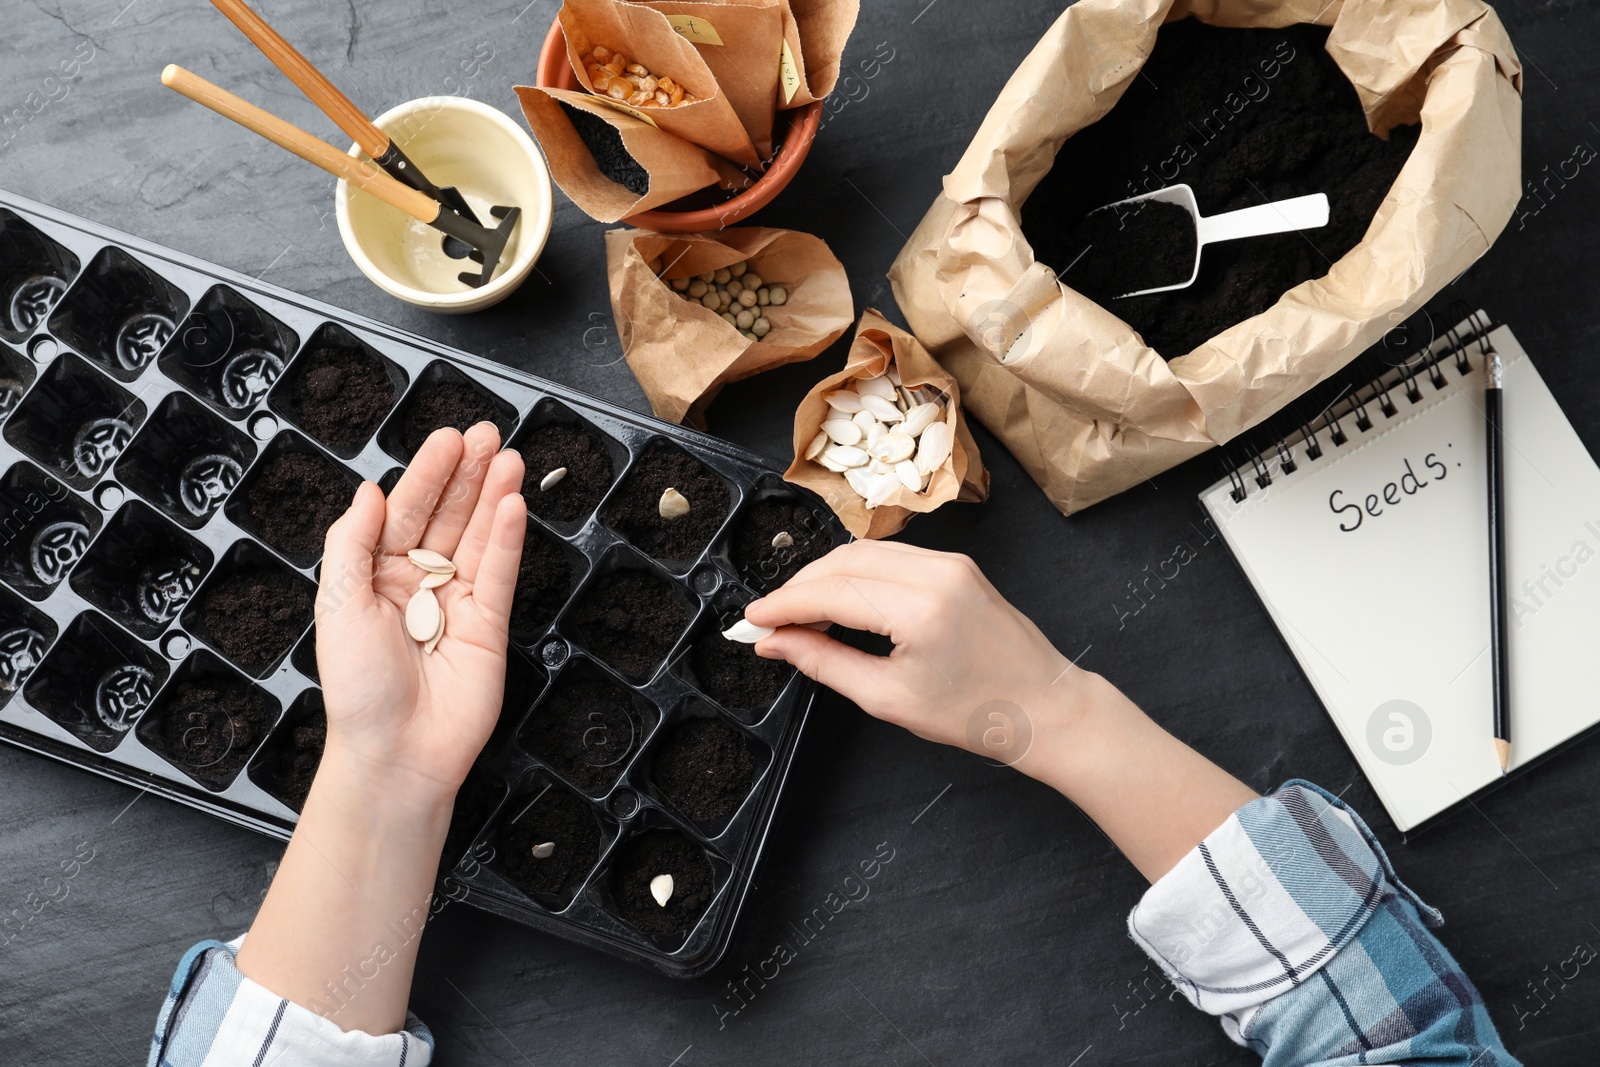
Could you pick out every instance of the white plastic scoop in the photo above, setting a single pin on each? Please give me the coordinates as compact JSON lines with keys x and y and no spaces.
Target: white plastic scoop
{"x":1282,"y":216}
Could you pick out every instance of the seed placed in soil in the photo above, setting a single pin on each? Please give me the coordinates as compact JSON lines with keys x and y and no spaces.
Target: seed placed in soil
{"x":549,"y":846}
{"x":673,"y":505}
{"x":634,"y":511}
{"x":747,"y":633}
{"x":782,"y":539}
{"x":544,"y":850}
{"x":431,"y":561}
{"x":649,"y":856}
{"x":424,"y":617}
{"x":582,"y":453}
{"x":551,"y":480}
{"x":661,"y":889}
{"x":434,"y":579}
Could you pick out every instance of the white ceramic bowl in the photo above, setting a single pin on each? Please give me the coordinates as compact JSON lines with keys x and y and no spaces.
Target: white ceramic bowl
{"x":481,"y":152}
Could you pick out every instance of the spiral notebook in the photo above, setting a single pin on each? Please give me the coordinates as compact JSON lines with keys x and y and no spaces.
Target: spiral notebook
{"x":1366,"y":538}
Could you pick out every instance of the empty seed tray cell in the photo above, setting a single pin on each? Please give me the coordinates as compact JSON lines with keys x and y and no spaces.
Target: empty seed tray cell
{"x":176,"y":438}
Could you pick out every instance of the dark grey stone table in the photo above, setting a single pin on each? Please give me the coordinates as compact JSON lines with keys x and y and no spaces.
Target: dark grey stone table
{"x":996,"y":933}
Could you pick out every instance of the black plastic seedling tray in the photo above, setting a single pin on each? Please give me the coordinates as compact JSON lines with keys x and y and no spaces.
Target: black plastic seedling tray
{"x":142,"y":392}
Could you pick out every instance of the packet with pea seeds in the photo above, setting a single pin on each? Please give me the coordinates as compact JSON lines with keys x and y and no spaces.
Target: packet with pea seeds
{"x":681,"y":350}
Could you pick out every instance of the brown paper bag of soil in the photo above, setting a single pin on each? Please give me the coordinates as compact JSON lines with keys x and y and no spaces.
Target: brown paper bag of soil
{"x":676,"y":167}
{"x":645,"y":35}
{"x":684,"y":353}
{"x":746,"y":63}
{"x":1082,"y":402}
{"x":880,"y":344}
{"x":816,"y":32}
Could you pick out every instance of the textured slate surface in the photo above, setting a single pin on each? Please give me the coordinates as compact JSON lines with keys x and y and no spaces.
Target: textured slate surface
{"x":996,"y":933}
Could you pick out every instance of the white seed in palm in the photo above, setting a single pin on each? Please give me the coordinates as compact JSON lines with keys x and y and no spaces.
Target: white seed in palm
{"x":434,"y":579}
{"x":933,"y":447}
{"x":661,"y":888}
{"x":551,"y":480}
{"x":879,"y":386}
{"x":843,"y":431}
{"x":433,"y":642}
{"x":818,"y":443}
{"x":893,"y":447}
{"x":429,"y":560}
{"x":673,"y":505}
{"x":849,"y":455}
{"x":747,"y":633}
{"x":845,"y":400}
{"x":544,"y":851}
{"x":910,"y":477}
{"x":883,"y":410}
{"x":424,"y":617}
{"x":782,"y":539}
{"x":919,"y":418}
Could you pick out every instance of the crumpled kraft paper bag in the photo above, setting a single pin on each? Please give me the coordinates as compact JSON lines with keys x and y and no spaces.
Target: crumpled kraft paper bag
{"x":878,"y":345}
{"x":816,"y":32}
{"x":747,"y":62}
{"x":684,"y":353}
{"x":645,"y":35}
{"x":1076,"y":395}
{"x":676,"y":167}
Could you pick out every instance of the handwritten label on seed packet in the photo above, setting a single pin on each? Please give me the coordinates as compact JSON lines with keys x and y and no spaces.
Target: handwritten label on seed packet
{"x":788,"y":74}
{"x":695,"y":29}
{"x":626,"y":109}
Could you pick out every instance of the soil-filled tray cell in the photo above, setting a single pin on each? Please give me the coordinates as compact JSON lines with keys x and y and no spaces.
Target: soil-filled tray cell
{"x":291,"y":496}
{"x":229,"y":352}
{"x":96,"y":682}
{"x":635,"y":511}
{"x":75,"y":421}
{"x":645,"y":857}
{"x":547,"y":842}
{"x":630,"y":617}
{"x":552,"y":439}
{"x":775,"y":536}
{"x":340,"y":390}
{"x":252,"y":609}
{"x":442,"y":396}
{"x":475,"y":802}
{"x":209,"y":721}
{"x":120,"y":314}
{"x":288,"y":762}
{"x":587,"y":728}
{"x":545,"y":579}
{"x":34,"y":274}
{"x":25,"y":634}
{"x":185,"y":460}
{"x":16,"y":374}
{"x":142,"y":570}
{"x":44,"y":530}
{"x":730,"y":672}
{"x":703,"y":767}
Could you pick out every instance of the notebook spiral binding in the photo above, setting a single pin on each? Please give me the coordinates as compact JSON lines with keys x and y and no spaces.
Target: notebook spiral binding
{"x":1303,"y":442}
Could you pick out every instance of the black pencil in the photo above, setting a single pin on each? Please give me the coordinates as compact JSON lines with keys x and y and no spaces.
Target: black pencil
{"x":1499,"y":633}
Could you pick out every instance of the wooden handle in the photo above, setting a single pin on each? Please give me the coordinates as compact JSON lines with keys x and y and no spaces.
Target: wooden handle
{"x":359,"y":173}
{"x":311,"y":81}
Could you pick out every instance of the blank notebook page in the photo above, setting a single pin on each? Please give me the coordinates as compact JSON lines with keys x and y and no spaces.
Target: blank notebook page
{"x":1373,"y":562}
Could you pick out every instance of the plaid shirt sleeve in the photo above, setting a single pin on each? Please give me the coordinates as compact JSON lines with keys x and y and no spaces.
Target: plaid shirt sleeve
{"x":216,"y":1017}
{"x":1290,"y":924}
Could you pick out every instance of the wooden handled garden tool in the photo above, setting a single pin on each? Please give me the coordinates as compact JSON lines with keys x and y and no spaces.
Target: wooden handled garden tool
{"x":489,"y":244}
{"x":349,"y":118}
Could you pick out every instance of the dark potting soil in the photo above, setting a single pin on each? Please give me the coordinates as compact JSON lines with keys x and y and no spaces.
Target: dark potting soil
{"x":294,"y":763}
{"x":544,"y":579}
{"x":341,"y":395}
{"x":1141,"y":246}
{"x":255,"y":614}
{"x":446,"y":404}
{"x":636,"y":514}
{"x":764,"y":567}
{"x":631,"y":619}
{"x":655,"y":853}
{"x":704,"y":769}
{"x":1245,"y":117}
{"x":561,"y":819}
{"x":586,"y":731}
{"x":605,"y":144}
{"x":294,"y":500}
{"x":473,"y":804}
{"x":589,"y":472}
{"x":211,"y":726}
{"x":731,"y":673}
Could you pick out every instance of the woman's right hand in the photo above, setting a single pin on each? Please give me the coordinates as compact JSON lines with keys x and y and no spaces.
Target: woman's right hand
{"x":967,"y":668}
